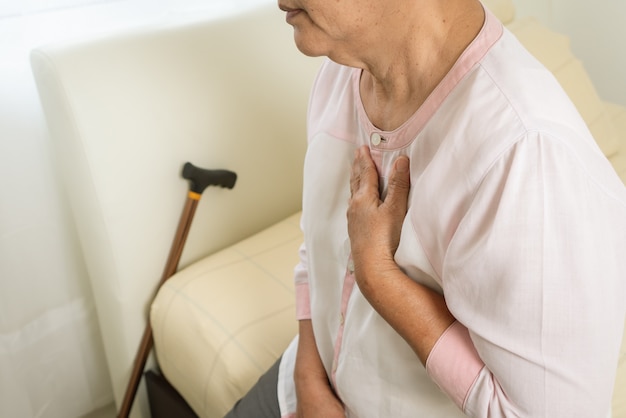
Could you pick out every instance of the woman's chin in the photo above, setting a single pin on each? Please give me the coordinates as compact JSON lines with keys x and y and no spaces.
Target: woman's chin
{"x":307,"y":45}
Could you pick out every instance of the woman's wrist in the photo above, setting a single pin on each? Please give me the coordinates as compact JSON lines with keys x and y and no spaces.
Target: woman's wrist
{"x":371,"y":272}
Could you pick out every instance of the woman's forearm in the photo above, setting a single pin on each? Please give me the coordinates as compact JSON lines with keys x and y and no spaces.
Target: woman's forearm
{"x":417,"y":313}
{"x":315,"y":395}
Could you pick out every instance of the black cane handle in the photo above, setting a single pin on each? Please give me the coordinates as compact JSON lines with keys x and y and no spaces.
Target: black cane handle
{"x":201,"y":178}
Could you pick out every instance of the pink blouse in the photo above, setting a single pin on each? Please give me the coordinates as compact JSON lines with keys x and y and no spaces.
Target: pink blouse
{"x":515,"y":216}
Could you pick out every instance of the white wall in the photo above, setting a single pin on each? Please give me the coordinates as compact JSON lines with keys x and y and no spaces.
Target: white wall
{"x":52,"y":362}
{"x":597,"y":30}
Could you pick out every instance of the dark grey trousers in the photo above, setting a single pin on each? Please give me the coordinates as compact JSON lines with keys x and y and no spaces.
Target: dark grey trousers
{"x":262,"y":400}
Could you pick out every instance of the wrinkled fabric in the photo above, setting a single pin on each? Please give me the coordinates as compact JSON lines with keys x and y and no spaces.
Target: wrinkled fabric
{"x":515,"y":216}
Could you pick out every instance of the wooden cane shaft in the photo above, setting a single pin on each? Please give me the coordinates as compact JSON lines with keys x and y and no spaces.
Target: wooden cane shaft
{"x":140,"y":361}
{"x":171,"y":266}
{"x":179,"y":240}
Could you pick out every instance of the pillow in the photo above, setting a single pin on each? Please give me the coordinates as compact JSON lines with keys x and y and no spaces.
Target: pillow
{"x":618,"y":117}
{"x":502,"y":9}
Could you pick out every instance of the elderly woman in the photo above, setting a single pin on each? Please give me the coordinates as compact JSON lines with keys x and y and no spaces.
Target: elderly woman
{"x":465,"y":238}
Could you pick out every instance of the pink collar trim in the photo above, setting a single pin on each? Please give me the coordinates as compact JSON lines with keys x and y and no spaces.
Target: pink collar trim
{"x":490,"y":33}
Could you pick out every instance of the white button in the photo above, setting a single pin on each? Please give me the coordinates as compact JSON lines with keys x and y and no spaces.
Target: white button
{"x":376,"y":139}
{"x":351,"y":266}
{"x":341,"y":320}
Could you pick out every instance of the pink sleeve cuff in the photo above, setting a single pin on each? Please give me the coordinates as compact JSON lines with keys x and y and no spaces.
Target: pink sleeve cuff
{"x":454,"y":364}
{"x":303,"y":302}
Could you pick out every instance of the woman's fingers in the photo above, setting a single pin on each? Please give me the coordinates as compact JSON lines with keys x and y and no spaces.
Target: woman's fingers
{"x":364,"y":176}
{"x":399,"y":186}
{"x":373,"y":223}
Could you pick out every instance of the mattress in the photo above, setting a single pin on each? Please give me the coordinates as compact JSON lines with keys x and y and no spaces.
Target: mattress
{"x":221,"y":322}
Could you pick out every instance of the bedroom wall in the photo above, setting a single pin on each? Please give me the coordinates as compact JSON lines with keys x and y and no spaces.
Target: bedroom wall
{"x":597,"y":30}
{"x":52,"y":363}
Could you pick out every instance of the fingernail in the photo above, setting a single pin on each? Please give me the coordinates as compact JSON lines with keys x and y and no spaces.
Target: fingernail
{"x":402,"y":164}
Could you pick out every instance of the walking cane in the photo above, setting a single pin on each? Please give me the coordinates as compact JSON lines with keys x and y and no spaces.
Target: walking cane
{"x":199,"y":179}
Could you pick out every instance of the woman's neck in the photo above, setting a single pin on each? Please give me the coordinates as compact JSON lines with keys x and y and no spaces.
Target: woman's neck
{"x":409,"y":66}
